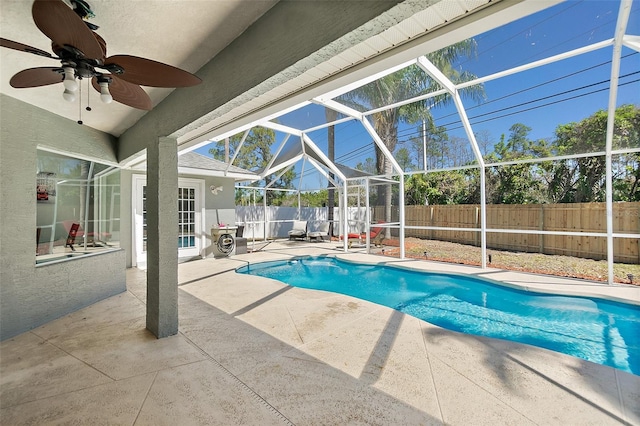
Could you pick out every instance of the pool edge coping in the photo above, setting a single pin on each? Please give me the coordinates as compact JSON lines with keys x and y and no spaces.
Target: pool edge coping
{"x":572,"y":286}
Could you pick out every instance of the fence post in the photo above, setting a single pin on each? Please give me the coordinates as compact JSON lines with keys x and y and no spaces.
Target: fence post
{"x":541,"y":227}
{"x":431,"y":222}
{"x":476,"y":235}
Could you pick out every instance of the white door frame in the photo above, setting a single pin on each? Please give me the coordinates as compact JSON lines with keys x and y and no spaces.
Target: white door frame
{"x":139,"y":256}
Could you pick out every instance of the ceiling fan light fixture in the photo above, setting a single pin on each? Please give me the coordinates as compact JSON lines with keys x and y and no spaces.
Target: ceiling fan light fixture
{"x":81,"y":50}
{"x":68,"y":95}
{"x":69,"y":81}
{"x":105,"y":96}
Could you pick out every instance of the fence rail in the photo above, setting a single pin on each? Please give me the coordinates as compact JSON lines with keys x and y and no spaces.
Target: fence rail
{"x":582,"y":218}
{"x":452,"y":221}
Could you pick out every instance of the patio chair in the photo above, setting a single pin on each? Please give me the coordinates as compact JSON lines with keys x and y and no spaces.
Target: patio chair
{"x":71,"y":238}
{"x":94,"y":239}
{"x":299,"y":230}
{"x":320,"y":231}
{"x":376,"y":236}
{"x":352,"y":237}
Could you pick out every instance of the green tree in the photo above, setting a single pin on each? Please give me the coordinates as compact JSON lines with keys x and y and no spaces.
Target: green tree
{"x":416,"y":190}
{"x":437,"y":146}
{"x":517,"y":183}
{"x":403,"y":84}
{"x":403,"y":157}
{"x":448,"y":187}
{"x":308,"y":199}
{"x":582,"y":180}
{"x":626,"y":184}
{"x":254,"y":155}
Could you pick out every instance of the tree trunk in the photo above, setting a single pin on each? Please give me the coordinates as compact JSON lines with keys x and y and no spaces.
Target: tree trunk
{"x":331,"y":115}
{"x":84,"y":175}
{"x":380,"y":168}
{"x":387,"y":129}
{"x":388,"y":198}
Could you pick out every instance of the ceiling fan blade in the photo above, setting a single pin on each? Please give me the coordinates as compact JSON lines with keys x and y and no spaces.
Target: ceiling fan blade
{"x":36,"y":77}
{"x":61,"y":24}
{"x":103,"y":44}
{"x":126,"y":93}
{"x":151,"y":73}
{"x":23,"y":47}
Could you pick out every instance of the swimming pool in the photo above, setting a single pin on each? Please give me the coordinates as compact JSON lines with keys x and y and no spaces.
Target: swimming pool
{"x":598,"y":330}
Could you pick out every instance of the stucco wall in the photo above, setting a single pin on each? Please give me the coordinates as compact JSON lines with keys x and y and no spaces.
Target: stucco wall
{"x":219,"y":208}
{"x":30,"y":295}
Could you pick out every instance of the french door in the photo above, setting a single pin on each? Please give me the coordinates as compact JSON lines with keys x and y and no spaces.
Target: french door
{"x":190,"y":217}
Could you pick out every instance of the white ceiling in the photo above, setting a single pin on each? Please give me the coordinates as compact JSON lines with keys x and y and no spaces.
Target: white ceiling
{"x":182,"y":33}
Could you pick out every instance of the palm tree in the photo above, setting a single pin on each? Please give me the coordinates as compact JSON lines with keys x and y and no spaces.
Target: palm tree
{"x":331,"y":116}
{"x":404,"y":84}
{"x":84,"y":187}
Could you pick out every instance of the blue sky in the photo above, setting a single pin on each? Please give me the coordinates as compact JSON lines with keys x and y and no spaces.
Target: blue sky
{"x":565,"y":27}
{"x":542,"y":98}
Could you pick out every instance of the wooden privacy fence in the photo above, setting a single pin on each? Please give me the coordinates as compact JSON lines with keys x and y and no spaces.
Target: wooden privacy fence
{"x":584,"y":217}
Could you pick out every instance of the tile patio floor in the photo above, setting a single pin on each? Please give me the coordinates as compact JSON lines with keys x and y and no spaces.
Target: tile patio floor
{"x":253,"y":351}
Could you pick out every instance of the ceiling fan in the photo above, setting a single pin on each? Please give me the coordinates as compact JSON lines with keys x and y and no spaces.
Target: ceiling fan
{"x":83,"y":55}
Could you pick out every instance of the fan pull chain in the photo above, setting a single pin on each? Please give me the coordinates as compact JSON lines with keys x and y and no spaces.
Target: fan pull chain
{"x":88,"y":108}
{"x":80,"y":103}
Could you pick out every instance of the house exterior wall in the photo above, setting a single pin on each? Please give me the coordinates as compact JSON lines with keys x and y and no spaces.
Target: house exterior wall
{"x":219,"y":208}
{"x":30,"y":295}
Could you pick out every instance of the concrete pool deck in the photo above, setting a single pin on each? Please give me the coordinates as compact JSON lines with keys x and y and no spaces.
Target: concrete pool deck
{"x":254,"y":351}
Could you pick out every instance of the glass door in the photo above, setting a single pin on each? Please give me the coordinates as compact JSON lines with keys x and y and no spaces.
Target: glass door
{"x":190,"y":215}
{"x":188,"y":244}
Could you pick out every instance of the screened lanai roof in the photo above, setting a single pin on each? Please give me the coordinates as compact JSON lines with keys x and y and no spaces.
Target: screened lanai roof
{"x":297,"y":148}
{"x":491,"y":87}
{"x":522,"y":68}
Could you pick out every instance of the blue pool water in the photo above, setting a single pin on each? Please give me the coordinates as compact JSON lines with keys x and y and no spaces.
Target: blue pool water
{"x":597,"y":330}
{"x":186,"y":241}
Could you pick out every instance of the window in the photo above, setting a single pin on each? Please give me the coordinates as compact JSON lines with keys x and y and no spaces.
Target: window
{"x":78,"y":207}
